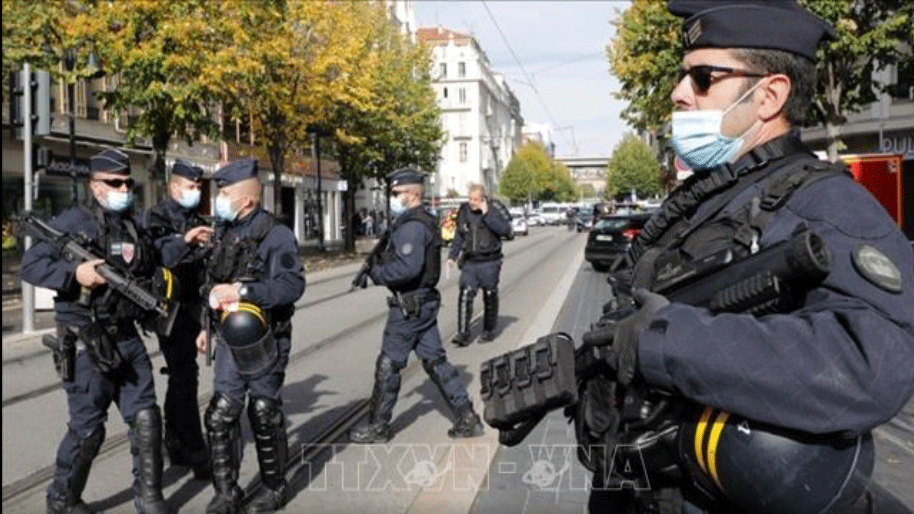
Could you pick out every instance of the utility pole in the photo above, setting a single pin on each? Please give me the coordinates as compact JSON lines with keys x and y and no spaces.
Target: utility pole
{"x":28,"y":290}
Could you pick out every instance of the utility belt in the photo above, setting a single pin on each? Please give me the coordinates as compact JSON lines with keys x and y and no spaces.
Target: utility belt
{"x":411,"y":303}
{"x":482,"y":256}
{"x":97,"y":339}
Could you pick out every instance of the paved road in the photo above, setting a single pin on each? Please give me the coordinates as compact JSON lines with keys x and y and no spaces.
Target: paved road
{"x":336,"y":340}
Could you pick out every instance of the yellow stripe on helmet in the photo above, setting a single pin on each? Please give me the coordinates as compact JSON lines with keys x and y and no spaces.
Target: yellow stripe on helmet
{"x":719,"y":424}
{"x":700,"y":435}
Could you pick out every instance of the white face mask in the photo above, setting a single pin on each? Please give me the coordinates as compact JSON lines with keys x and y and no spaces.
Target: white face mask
{"x":698,"y":140}
{"x":189,"y":198}
{"x":396,"y":206}
{"x":117,"y":201}
{"x":224,"y":209}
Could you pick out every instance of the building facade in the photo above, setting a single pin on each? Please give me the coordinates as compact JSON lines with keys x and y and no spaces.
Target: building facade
{"x":480,"y":113}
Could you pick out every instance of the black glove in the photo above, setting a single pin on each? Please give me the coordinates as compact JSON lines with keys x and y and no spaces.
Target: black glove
{"x":623,"y":356}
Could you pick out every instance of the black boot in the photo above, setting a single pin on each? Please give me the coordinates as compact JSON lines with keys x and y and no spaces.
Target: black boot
{"x":464,"y":316}
{"x":146,"y":446}
{"x":490,"y":313}
{"x":224,"y":433}
{"x":268,"y":425}
{"x":383,"y":399}
{"x":452,"y":388}
{"x":67,"y":496}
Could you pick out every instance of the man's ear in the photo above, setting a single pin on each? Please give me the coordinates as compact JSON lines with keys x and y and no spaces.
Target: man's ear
{"x":775,"y":92}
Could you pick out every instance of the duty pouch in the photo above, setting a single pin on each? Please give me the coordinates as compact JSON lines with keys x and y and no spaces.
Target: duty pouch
{"x":529,"y":382}
{"x":102,"y":350}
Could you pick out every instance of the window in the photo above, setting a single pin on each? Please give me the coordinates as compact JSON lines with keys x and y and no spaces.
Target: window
{"x":462,"y":94}
{"x":463,"y":152}
{"x":461,"y":69}
{"x":443,"y":70}
{"x":445,"y":92}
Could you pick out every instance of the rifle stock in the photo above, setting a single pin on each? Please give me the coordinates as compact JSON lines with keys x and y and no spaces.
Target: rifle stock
{"x":361,"y":278}
{"x":770,"y":280}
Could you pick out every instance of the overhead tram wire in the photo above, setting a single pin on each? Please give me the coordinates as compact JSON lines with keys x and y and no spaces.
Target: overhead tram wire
{"x":524,"y":70}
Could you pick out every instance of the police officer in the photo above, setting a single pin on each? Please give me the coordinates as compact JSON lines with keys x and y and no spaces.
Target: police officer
{"x":410,"y":267}
{"x":837,"y":363}
{"x":254,"y":277}
{"x":481,"y":223}
{"x":111,"y":363}
{"x":180,"y":235}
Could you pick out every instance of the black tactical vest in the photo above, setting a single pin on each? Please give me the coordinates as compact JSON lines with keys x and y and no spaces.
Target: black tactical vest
{"x":235,"y":258}
{"x":675,"y":233}
{"x":431,"y":271}
{"x":480,"y":243}
{"x":166,"y":218}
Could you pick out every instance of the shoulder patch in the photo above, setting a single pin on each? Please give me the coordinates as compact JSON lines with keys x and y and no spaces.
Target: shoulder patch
{"x":287,"y":260}
{"x":876,"y":267}
{"x":406,"y":248}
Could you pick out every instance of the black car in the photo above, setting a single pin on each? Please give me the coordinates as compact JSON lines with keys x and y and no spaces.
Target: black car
{"x":611,"y":236}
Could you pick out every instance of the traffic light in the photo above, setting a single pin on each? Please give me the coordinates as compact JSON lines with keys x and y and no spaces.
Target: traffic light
{"x":40,"y":108}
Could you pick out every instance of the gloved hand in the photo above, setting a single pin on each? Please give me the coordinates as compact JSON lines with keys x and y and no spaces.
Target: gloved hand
{"x":623,"y":355}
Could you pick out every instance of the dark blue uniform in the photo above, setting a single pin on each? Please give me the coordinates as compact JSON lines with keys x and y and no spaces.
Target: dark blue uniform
{"x":477,"y":243}
{"x":168,"y":221}
{"x":272,"y":277}
{"x":91,"y":392}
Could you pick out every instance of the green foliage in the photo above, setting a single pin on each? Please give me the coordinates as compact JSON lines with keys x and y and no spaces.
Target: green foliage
{"x":588,"y":191}
{"x":532,"y":174}
{"x":633,"y":165}
{"x":646,"y":55}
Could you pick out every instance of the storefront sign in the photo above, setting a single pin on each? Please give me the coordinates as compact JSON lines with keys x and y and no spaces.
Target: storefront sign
{"x":899,"y":143}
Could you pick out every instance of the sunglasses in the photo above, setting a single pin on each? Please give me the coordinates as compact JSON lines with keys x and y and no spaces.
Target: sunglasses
{"x":116,"y":183}
{"x":702,"y":75}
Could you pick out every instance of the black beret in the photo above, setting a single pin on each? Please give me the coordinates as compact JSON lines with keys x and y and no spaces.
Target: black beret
{"x":187,"y":170}
{"x":764,"y":24}
{"x":110,"y":161}
{"x":236,"y":171}
{"x":406,"y":176}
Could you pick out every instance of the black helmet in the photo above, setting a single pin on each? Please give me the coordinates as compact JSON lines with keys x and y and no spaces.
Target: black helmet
{"x":762,"y":469}
{"x":243,"y":326}
{"x":166,"y":285}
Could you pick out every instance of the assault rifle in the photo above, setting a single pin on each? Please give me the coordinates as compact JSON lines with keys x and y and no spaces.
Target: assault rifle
{"x":361,"y":278}
{"x":74,"y":248}
{"x":520,"y":387}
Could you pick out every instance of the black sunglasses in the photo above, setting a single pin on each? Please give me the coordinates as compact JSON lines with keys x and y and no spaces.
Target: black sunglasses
{"x":702,"y":75}
{"x":116,"y":183}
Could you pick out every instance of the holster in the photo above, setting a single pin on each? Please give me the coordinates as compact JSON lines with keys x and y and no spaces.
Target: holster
{"x":100,"y":346}
{"x":411,"y":303}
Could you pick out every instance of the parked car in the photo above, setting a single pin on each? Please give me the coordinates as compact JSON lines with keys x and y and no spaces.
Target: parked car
{"x":584,"y":221}
{"x":612,"y":236}
{"x":519,"y":224}
{"x":535,"y":219}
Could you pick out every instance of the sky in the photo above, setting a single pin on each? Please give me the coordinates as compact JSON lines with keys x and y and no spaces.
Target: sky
{"x":563,"y":78}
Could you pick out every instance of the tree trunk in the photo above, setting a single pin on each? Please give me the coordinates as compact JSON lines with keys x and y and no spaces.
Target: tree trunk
{"x":833,"y":137}
{"x":277,"y":160}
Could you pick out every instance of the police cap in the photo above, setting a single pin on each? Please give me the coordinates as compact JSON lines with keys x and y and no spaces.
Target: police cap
{"x":405,"y":176}
{"x":764,"y":24}
{"x":110,"y":161}
{"x":187,"y":170}
{"x":236,"y":171}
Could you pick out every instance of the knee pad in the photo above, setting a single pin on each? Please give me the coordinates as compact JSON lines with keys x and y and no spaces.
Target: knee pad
{"x":265,"y":414}
{"x":91,"y":444}
{"x":147,"y":419}
{"x":439,"y":369}
{"x":222,"y":413}
{"x":386,"y":367}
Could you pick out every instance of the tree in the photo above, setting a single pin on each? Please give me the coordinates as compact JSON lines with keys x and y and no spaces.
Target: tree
{"x":521,"y":180}
{"x":646,"y":55}
{"x":633,"y":165}
{"x":588,"y":190}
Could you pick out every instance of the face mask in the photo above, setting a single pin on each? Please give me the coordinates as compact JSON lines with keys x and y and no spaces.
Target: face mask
{"x":396,"y":206}
{"x":698,"y":140}
{"x":189,"y":198}
{"x":117,"y":201}
{"x":224,"y":209}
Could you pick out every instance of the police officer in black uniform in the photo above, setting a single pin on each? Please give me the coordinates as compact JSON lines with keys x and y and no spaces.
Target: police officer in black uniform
{"x":111,"y":363}
{"x":836,"y":365}
{"x":410,"y":267}
{"x":180,"y":235}
{"x":481,"y":223}
{"x":254,"y":277}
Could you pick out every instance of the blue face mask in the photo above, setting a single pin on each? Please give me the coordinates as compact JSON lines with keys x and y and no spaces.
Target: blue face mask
{"x":396,"y":206}
{"x":224,"y":209}
{"x":118,"y":201}
{"x":189,"y":198}
{"x":697,"y":138}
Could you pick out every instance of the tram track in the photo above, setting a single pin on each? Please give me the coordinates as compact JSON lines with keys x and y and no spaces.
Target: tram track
{"x":21,"y":487}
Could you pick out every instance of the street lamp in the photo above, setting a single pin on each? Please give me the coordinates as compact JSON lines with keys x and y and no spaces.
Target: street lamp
{"x":92,"y":71}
